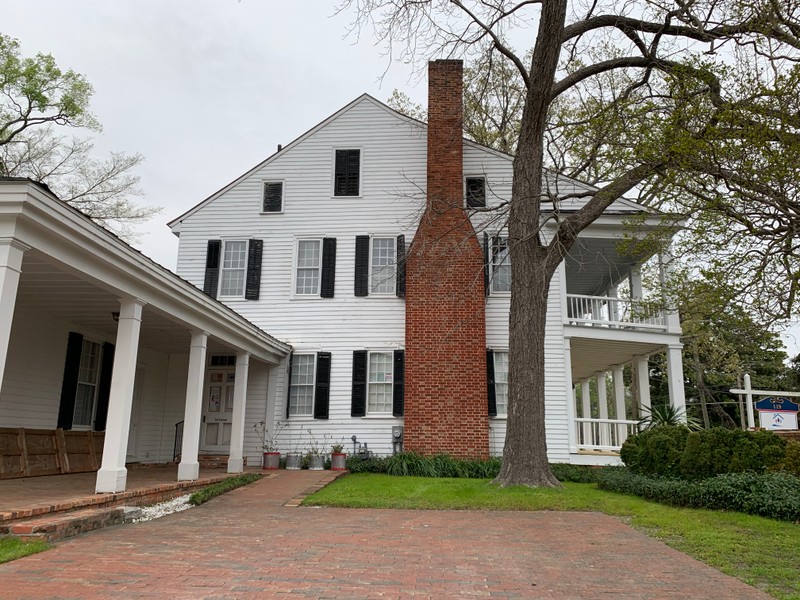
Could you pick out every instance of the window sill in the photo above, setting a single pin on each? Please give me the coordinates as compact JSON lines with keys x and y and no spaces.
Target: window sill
{"x":381,"y":417}
{"x":271,"y":212}
{"x":499,"y":418}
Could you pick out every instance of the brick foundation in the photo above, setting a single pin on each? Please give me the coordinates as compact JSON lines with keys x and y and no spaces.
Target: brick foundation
{"x":445,"y":371}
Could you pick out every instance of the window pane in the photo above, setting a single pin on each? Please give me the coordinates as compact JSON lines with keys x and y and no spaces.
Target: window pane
{"x":382,"y":277}
{"x":308,"y":266}
{"x":84,"y":404}
{"x":301,"y":392}
{"x":476,"y":192}
{"x":501,"y":267}
{"x":234,"y":263}
{"x":346,"y":172}
{"x":501,"y":381}
{"x":379,"y":398}
{"x":87,"y":384}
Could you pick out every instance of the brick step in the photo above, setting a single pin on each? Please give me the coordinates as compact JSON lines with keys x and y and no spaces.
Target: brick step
{"x":58,"y":526}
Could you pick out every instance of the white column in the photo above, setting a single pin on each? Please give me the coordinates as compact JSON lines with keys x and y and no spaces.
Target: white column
{"x":602,"y":403}
{"x":586,"y":411}
{"x":677,"y":398}
{"x":643,"y":377}
{"x":619,"y":404}
{"x":635,"y":280}
{"x":751,"y":418}
{"x":665,"y":272}
{"x":235,"y":456}
{"x":11,"y":252}
{"x":113,"y":475}
{"x":572,"y":408}
{"x":189,"y":468}
{"x":613,"y":305}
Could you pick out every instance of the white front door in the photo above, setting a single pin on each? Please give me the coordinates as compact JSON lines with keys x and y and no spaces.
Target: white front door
{"x":215,"y":434}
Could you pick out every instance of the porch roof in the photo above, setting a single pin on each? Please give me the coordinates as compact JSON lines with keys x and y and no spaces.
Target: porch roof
{"x":78,"y":270}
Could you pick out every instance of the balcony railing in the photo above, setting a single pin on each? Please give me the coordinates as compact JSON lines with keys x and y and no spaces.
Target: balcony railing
{"x":616,"y":313}
{"x":603,"y":435}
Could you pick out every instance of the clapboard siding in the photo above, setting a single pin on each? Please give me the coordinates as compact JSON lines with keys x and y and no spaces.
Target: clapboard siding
{"x":393,"y":175}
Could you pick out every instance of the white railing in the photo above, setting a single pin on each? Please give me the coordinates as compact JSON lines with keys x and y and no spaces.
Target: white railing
{"x":618,"y":313}
{"x":606,"y":435}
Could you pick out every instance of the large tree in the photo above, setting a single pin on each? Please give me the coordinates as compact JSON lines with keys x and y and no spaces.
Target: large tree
{"x":36,"y":97}
{"x":706,"y":115}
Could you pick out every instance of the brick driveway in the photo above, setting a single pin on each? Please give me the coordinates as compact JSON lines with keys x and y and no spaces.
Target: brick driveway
{"x":247,"y":544}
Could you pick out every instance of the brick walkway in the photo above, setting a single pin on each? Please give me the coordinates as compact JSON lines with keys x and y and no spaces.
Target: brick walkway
{"x":247,"y":544}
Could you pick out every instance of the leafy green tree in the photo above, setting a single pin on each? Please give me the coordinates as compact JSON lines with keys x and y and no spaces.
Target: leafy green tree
{"x":36,"y":96}
{"x":708,"y":117}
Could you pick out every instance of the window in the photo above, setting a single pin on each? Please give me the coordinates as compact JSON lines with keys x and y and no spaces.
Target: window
{"x":309,"y":263}
{"x":501,"y":382}
{"x":380,"y":266}
{"x":475,"y":192}
{"x":347,"y":173}
{"x":382,"y":279}
{"x":234,"y":268}
{"x":88,"y":375}
{"x":501,"y":265}
{"x":301,"y":385}
{"x":218,"y":360}
{"x":379,"y":382}
{"x":309,"y":385}
{"x":273,"y":196}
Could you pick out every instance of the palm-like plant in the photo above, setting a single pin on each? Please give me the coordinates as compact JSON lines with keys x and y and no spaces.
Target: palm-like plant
{"x":666,"y":414}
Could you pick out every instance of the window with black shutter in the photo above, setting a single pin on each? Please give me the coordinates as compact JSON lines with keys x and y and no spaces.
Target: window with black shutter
{"x":328,"y":277}
{"x":322,"y":385}
{"x":253,"y":279}
{"x":358,"y":405}
{"x":476,"y":192}
{"x":347,"y":172}
{"x":273,"y":196}
{"x":490,"y":383}
{"x":399,"y":383}
{"x":211,"y":280}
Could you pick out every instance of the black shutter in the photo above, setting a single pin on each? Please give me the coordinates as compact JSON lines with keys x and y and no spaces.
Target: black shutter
{"x":253,"y":281}
{"x":486,"y":258}
{"x":347,"y":166}
{"x":273,"y":196}
{"x":322,"y":388}
{"x":289,"y":383}
{"x":340,"y":173}
{"x":104,"y":387}
{"x":399,"y":376}
{"x":69,"y":385}
{"x":358,"y":406}
{"x":353,"y":168}
{"x":362,"y":265}
{"x":212,"y":268}
{"x":401,"y":267}
{"x":490,"y":383}
{"x":328,"y":267}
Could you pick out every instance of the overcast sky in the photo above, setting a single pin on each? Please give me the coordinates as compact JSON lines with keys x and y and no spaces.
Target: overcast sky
{"x":206,"y":89}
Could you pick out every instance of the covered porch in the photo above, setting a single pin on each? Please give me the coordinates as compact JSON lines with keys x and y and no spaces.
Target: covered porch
{"x":94,"y":336}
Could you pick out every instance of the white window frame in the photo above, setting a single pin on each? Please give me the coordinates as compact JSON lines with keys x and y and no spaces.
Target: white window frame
{"x":393,"y":292}
{"x":390,"y":383}
{"x":505,"y":263}
{"x":485,"y":192}
{"x":222,"y":268}
{"x":360,"y":171}
{"x":504,"y":413}
{"x":295,"y":267}
{"x":95,"y":384}
{"x":264,"y":182}
{"x":313,"y":385}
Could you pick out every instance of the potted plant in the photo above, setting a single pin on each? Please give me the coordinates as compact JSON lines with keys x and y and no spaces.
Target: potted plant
{"x":316,"y":453}
{"x":338,"y":458}
{"x":271,"y":456}
{"x":294,"y":460}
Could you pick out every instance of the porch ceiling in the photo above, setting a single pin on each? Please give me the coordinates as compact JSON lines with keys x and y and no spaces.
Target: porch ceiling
{"x":594,"y":263}
{"x":52,"y":291}
{"x":589,"y":356}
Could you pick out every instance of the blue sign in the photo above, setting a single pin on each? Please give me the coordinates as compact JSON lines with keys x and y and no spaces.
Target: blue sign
{"x":773,"y":403}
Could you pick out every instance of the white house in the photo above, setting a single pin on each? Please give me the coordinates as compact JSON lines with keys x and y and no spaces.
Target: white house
{"x":312,"y":245}
{"x":369,"y":250}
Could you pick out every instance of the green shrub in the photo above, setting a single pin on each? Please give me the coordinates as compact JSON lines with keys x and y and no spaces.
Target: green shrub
{"x":377,"y":464}
{"x":716,"y":451}
{"x":226,"y":485}
{"x":791,"y":459}
{"x":656,"y":451}
{"x":441,"y":465}
{"x":773,"y":495}
{"x":576,"y":473}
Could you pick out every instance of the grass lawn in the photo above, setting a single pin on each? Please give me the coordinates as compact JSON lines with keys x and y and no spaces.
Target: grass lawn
{"x":12,"y":548}
{"x":759,"y":551}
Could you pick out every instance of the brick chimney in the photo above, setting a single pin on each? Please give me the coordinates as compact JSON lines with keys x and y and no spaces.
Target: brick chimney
{"x":446,"y":408}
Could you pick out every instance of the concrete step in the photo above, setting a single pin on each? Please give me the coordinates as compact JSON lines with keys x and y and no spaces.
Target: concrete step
{"x":58,"y":526}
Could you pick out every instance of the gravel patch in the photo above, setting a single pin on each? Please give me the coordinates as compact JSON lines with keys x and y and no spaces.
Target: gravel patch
{"x":148,"y":513}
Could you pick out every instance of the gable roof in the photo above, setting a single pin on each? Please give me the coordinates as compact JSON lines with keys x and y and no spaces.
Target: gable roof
{"x":174,"y":224}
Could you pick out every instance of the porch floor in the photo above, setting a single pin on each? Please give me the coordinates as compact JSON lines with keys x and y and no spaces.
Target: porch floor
{"x":31,"y":496}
